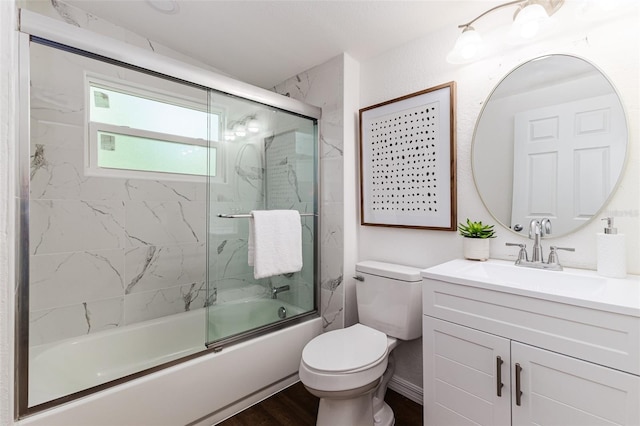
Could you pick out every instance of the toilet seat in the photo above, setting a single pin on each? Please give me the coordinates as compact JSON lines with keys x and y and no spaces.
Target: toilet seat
{"x":344,"y":359}
{"x":346,"y":350}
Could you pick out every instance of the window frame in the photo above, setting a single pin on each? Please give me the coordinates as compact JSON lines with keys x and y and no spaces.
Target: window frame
{"x":92,"y":129}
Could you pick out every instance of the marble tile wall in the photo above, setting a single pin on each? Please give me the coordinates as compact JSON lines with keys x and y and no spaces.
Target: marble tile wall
{"x":105,"y":252}
{"x":322,"y":86}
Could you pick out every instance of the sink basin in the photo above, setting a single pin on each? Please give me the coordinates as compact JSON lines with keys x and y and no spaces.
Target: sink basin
{"x":571,"y":283}
{"x":574,"y":286}
{"x":535,"y":279}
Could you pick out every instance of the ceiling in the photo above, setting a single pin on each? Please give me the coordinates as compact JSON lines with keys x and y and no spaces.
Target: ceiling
{"x":266,"y":42}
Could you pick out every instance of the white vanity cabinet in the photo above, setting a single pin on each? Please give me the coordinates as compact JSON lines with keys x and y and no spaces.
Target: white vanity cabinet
{"x":461,"y":375}
{"x":497,"y":354}
{"x":470,"y":378}
{"x":561,"y":390}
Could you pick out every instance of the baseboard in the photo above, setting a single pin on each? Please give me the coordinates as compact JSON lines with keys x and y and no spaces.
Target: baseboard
{"x":407,"y":389}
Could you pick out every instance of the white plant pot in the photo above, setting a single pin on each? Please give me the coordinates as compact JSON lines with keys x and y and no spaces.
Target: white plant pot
{"x":476,"y":248}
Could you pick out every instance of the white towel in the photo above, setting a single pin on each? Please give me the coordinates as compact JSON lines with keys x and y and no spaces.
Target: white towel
{"x":275,"y":242}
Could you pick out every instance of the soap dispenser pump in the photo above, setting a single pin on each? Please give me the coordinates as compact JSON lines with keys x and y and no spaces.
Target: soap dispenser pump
{"x":612,"y":257}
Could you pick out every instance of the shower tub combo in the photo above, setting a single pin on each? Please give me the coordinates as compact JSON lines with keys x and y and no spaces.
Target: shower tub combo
{"x":142,"y":360}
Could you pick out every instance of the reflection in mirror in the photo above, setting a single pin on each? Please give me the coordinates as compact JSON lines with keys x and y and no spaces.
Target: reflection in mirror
{"x":550,"y":142}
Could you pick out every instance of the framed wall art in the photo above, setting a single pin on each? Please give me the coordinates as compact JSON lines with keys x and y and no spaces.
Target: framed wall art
{"x":408,"y":161}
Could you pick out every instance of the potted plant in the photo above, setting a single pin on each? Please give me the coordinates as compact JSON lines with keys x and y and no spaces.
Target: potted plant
{"x":476,"y":239}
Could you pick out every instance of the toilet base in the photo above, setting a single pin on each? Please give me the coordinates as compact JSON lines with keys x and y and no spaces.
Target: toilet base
{"x":384,"y":416}
{"x":356,"y":411}
{"x":352,"y":407}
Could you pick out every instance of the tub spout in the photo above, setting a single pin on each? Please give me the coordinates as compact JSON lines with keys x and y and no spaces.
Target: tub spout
{"x":276,"y":290}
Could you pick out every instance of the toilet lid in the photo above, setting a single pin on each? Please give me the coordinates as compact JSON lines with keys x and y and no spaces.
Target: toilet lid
{"x":345,"y":349}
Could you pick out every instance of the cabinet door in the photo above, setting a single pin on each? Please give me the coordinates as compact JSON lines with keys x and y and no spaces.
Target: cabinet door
{"x":462,"y":372}
{"x":564,"y":391}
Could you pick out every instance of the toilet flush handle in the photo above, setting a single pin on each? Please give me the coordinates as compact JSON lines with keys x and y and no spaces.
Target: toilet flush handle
{"x":358,"y":277}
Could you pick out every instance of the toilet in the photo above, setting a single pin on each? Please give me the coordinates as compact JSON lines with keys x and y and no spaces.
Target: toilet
{"x":349,"y":369}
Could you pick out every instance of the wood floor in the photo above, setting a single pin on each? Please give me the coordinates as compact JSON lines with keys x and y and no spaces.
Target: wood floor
{"x":295,"y":406}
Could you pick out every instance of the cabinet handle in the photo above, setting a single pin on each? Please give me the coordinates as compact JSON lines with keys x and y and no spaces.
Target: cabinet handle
{"x":518,"y":391}
{"x":499,"y":384}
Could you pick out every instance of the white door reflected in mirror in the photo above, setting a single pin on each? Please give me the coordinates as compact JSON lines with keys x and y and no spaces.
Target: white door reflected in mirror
{"x":550,"y":142}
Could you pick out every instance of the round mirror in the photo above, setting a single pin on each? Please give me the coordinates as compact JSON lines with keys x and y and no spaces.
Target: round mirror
{"x":550,"y":143}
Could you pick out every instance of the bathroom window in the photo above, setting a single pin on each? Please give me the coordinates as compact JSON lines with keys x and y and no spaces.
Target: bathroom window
{"x":137,"y":132}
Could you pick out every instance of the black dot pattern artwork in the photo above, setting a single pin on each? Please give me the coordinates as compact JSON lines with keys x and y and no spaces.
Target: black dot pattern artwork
{"x":404,"y":161}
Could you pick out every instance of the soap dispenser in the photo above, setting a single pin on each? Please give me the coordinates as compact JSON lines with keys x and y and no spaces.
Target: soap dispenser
{"x":612,"y":257}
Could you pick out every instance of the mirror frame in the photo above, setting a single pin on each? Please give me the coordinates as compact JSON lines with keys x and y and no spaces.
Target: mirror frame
{"x":623,"y":168}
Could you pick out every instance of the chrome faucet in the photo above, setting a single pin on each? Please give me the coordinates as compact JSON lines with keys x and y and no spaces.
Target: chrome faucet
{"x":276,"y":290}
{"x":537,"y":230}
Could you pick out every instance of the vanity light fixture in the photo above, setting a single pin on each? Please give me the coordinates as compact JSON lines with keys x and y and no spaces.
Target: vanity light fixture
{"x":240,"y":128}
{"x":528,"y":19}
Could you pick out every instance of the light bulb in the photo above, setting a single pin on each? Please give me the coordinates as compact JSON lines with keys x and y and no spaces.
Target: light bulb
{"x":528,"y":21}
{"x":467,"y":46}
{"x":240,"y":130}
{"x":253,"y":126}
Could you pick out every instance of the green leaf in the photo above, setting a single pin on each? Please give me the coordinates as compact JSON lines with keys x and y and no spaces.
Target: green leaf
{"x":476,"y":230}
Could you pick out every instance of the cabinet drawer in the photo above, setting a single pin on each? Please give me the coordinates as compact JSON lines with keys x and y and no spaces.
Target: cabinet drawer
{"x":601,"y":337}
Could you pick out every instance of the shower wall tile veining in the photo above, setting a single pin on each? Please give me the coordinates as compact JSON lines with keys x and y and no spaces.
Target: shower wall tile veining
{"x":105,"y":252}
{"x":318,"y":87}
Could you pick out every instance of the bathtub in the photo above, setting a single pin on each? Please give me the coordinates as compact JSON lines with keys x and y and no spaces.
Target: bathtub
{"x":235,"y":317}
{"x":210,"y":387}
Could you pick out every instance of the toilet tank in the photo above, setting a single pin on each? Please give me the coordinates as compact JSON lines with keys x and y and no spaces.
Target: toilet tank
{"x":389,"y":298}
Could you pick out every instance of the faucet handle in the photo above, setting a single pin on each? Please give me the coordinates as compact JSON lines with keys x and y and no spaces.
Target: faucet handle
{"x":553,"y":254}
{"x":522,"y":254}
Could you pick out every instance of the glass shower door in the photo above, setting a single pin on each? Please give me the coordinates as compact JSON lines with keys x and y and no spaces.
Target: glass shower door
{"x":269,"y":162}
{"x":117,"y":223}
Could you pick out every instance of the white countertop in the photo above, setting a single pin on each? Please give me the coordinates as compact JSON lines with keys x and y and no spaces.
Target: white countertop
{"x":572,"y":286}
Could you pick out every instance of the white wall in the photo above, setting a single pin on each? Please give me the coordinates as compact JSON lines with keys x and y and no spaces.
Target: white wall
{"x":610,"y":40}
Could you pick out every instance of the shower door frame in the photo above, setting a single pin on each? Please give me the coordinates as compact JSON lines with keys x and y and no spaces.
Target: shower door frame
{"x":60,"y":34}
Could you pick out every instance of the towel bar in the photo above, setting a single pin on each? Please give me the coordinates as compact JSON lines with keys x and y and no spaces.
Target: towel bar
{"x":247,"y":215}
